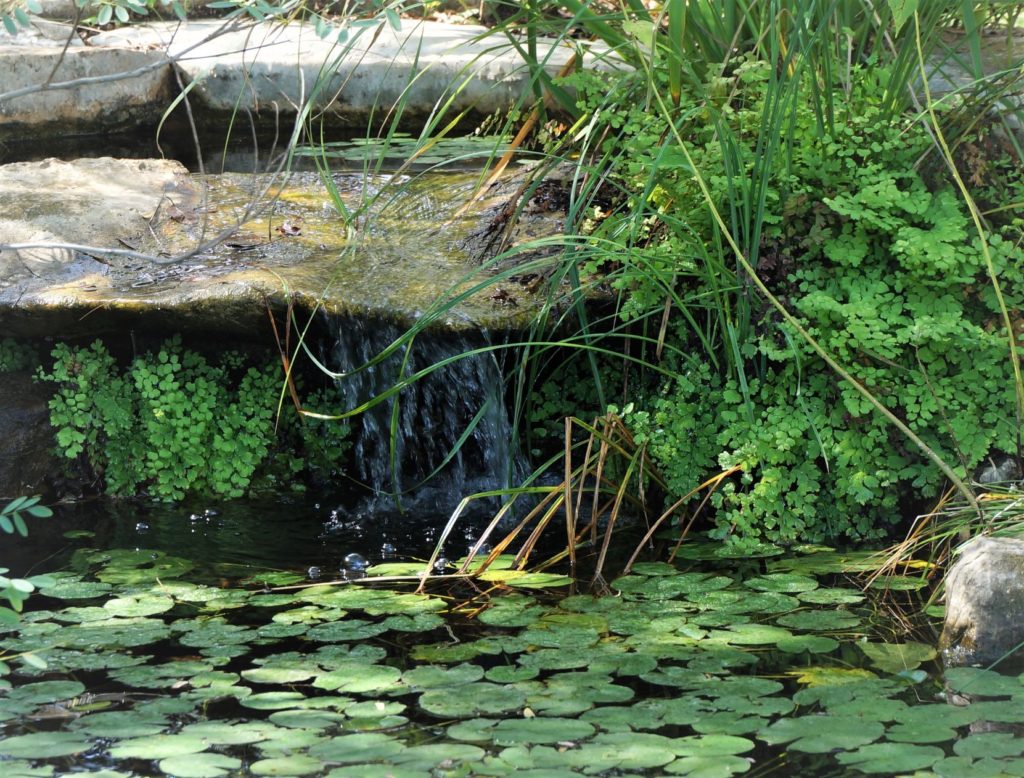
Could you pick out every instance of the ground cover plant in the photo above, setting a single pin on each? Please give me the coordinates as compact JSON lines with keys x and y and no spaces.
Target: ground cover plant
{"x":172,"y":423}
{"x":817,"y":260}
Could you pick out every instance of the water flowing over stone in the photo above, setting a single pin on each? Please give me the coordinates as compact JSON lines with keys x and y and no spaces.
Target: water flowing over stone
{"x":449,"y":437}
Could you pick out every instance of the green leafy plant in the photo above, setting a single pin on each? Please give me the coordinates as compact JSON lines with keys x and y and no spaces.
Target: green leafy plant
{"x":171,"y":423}
{"x":15,"y":355}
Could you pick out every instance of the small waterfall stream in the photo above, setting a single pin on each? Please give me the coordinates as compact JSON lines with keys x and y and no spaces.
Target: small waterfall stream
{"x":430,"y":460}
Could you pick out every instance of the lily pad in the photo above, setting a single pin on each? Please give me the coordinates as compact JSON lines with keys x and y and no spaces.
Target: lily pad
{"x":158,"y":747}
{"x":787,"y":583}
{"x":200,"y":765}
{"x":822,"y":734}
{"x":44,"y":745}
{"x":897,"y":657}
{"x":471,"y":700}
{"x":891,"y":758}
{"x":292,"y":765}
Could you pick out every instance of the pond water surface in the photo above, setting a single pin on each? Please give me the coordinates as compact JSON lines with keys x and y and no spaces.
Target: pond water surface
{"x":242,"y":640}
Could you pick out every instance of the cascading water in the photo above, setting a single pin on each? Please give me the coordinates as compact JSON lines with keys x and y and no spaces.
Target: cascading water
{"x":450,"y":436}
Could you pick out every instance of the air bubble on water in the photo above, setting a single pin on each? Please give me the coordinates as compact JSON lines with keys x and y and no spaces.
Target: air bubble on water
{"x":440,"y":565}
{"x":355,"y":562}
{"x":387,"y":550}
{"x":142,"y":527}
{"x":313,"y":573}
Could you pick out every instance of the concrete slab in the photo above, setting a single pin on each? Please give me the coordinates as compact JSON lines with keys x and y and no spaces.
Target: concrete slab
{"x":268,"y":69}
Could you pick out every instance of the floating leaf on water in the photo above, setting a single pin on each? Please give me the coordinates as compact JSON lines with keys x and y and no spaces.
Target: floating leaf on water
{"x":46,"y":692}
{"x":1001,"y":711}
{"x":891,"y":758}
{"x":378,"y":771}
{"x":200,"y":765}
{"x":920,"y":732}
{"x":72,"y":587}
{"x":822,"y":734}
{"x":137,"y":566}
{"x":708,"y":766}
{"x":984,"y":683}
{"x":989,"y":744}
{"x":306,"y":719}
{"x":728,"y":723}
{"x":964,"y":767}
{"x":343,"y":631}
{"x":279,"y":675}
{"x":438,"y":755}
{"x":44,"y":745}
{"x":524,"y":580}
{"x":814,"y":644}
{"x":409,"y":569}
{"x":472,"y":699}
{"x":511,"y":674}
{"x":830,"y":676}
{"x":751,"y":635}
{"x":227,"y":733}
{"x":143,"y":605}
{"x":287,"y":741}
{"x":308,"y":614}
{"x":158,"y":747}
{"x":540,"y":730}
{"x":434,"y":677}
{"x":360,"y":678}
{"x":161,"y":676}
{"x":273,"y":700}
{"x":346,"y":749}
{"x":623,"y":718}
{"x":897,"y":657}
{"x":292,"y":765}
{"x":787,"y":583}
{"x":120,"y":724}
{"x":819,"y":621}
{"x":374,"y":709}
{"x":899,"y":583}
{"x":835,"y":596}
{"x":655,"y":568}
{"x":670,"y":587}
{"x":420,"y":622}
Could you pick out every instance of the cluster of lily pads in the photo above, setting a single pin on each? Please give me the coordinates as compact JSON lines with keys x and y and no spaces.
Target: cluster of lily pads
{"x":137,"y":669}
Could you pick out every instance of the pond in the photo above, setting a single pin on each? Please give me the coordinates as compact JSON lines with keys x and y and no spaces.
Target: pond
{"x":244,"y":640}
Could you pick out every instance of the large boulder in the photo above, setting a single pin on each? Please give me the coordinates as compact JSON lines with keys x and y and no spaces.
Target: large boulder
{"x":985,"y":605}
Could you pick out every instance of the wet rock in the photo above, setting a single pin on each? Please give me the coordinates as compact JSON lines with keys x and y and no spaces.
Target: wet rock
{"x":283,"y":243}
{"x":985,"y":605}
{"x":26,"y":439}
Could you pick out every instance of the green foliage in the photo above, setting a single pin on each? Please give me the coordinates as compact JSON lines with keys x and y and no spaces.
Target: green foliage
{"x":14,"y":15}
{"x":16,"y":590}
{"x":15,"y":355}
{"x":871,"y":250}
{"x":171,"y":423}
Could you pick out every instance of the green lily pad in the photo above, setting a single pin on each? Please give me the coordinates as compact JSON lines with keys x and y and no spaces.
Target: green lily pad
{"x":822,"y":734}
{"x":524,"y":580}
{"x":891,"y":758}
{"x":360,"y":678}
{"x":378,"y":771}
{"x":540,"y":730}
{"x":227,"y":733}
{"x":46,"y":691}
{"x":436,"y":677}
{"x":200,"y":765}
{"x":787,"y":583}
{"x":158,"y":747}
{"x":304,"y":718}
{"x":813,"y":644}
{"x":835,"y":596}
{"x":346,"y":630}
{"x":367,"y":747}
{"x":431,"y":755}
{"x":989,"y":744}
{"x":897,"y":657}
{"x":144,"y":605}
{"x":984,"y":683}
{"x":471,"y":700}
{"x":279,"y":675}
{"x":292,"y":765}
{"x":819,"y":621}
{"x":120,"y":724}
{"x":44,"y":745}
{"x":708,"y":766}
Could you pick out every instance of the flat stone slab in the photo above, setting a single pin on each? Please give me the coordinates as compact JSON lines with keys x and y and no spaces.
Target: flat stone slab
{"x":409,"y":249}
{"x":268,"y":69}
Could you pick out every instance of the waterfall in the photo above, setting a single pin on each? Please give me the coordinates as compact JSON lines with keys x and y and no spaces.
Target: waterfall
{"x":434,"y":414}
